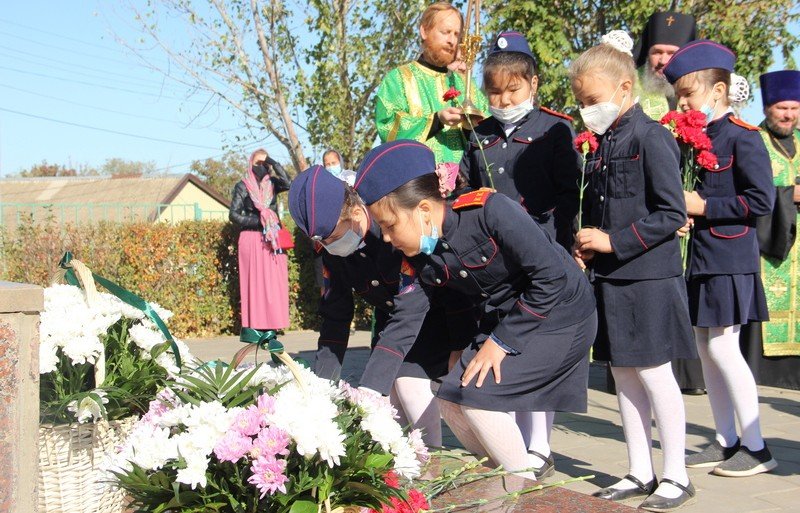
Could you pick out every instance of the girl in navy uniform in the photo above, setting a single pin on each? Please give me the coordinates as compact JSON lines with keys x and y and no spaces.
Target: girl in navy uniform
{"x":357,"y":261}
{"x":531,"y":159}
{"x":725,"y":289}
{"x":634,"y":201}
{"x":528,"y":148}
{"x":537,"y":311}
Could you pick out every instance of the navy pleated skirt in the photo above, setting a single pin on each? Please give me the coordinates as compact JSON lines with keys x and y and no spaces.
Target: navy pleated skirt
{"x":724,"y":300}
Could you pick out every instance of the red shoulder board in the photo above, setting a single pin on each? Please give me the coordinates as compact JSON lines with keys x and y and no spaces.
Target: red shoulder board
{"x":739,"y":122}
{"x":473,"y":199}
{"x":557,"y":114}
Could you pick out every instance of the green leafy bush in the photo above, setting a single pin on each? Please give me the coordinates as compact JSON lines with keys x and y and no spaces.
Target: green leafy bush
{"x":189,"y":268}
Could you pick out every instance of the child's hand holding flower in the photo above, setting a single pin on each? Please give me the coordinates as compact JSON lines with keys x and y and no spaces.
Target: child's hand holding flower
{"x":593,"y":239}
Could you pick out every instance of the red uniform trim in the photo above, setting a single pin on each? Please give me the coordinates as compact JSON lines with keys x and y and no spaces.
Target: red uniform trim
{"x":473,"y":199}
{"x":633,"y":225}
{"x":530,"y":311}
{"x":739,"y":122}
{"x":744,"y":204}
{"x":390,"y":351}
{"x":557,"y":114}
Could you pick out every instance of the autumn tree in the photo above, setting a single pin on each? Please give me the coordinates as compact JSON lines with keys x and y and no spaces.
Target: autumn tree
{"x":121,"y":168}
{"x":44,"y":169}
{"x":358,"y":42}
{"x":284,"y":67}
{"x":559,"y":31}
{"x":221,"y":174}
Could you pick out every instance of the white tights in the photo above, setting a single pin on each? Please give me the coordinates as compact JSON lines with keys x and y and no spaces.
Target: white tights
{"x":731,"y":388}
{"x":642,"y":391}
{"x":535,"y":427}
{"x":492,"y":434}
{"x":417,"y":406}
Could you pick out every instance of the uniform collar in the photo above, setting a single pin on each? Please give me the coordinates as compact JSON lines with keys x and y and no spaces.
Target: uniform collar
{"x":449,"y":223}
{"x":716,"y":126}
{"x":626,"y":118}
{"x":498,"y":128}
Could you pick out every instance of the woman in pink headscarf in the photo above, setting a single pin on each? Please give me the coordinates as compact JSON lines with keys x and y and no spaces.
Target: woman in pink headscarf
{"x":263,"y":266}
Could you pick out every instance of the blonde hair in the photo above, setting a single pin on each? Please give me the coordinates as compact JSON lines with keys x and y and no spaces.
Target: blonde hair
{"x":428,"y":19}
{"x":707,"y":78}
{"x":605,"y":60}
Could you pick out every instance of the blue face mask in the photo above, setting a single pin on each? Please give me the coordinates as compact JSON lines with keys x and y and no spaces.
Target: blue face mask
{"x":427,"y":243}
{"x":708,"y":111}
{"x":335,"y":170}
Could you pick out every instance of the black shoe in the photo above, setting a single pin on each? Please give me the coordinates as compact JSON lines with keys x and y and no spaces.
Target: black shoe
{"x":547,"y":469}
{"x":659,"y":503}
{"x":746,"y":463}
{"x":617,"y":494}
{"x":693,"y":391}
{"x":712,"y":455}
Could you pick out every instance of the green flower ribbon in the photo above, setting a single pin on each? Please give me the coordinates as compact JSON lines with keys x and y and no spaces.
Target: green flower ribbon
{"x":125,"y":296}
{"x":267,"y":340}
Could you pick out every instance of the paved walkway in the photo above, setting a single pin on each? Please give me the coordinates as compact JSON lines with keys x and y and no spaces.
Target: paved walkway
{"x":592,"y":443}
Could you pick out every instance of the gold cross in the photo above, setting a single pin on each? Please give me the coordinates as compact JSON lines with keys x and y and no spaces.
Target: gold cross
{"x":670,"y":21}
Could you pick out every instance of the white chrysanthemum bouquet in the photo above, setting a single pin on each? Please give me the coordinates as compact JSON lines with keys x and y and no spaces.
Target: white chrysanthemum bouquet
{"x":76,"y":337}
{"x":268,"y":438}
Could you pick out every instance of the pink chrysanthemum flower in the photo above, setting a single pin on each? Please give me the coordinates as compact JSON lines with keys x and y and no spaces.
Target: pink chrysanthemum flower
{"x":268,"y":476}
{"x":248,"y":422}
{"x":232,"y":447}
{"x":270,"y":443}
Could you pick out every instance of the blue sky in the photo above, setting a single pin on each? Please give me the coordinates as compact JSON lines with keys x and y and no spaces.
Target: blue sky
{"x":61,"y":66}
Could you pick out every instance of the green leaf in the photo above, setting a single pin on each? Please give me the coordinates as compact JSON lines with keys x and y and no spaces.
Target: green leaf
{"x":378,"y":460}
{"x":303,"y":507}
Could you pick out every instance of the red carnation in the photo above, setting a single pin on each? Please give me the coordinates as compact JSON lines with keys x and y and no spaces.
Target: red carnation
{"x":391,"y":479}
{"x":417,"y":501}
{"x":671,"y":118}
{"x":586,"y":142}
{"x":707,"y":159}
{"x":693,"y":119}
{"x":695,"y":137}
{"x":451,"y":94}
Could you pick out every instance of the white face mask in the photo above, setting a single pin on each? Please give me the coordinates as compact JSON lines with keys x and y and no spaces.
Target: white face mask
{"x":512,"y":114}
{"x":600,"y":116}
{"x":345,"y":245}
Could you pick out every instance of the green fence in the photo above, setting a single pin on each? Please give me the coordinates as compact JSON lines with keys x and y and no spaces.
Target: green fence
{"x":13,"y":215}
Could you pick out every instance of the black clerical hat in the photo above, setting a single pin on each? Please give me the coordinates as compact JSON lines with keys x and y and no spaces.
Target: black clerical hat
{"x":665,"y":28}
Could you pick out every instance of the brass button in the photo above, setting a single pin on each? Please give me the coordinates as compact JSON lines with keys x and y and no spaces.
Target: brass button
{"x":505,"y":145}
{"x":438,"y":281}
{"x":462,"y":273}
{"x":445,"y":245}
{"x":501,"y":170}
{"x":483,"y":259}
{"x":484,"y":294}
{"x":375,"y":283}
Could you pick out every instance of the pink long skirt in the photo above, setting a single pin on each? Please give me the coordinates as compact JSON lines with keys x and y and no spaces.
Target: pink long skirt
{"x":263,"y":283}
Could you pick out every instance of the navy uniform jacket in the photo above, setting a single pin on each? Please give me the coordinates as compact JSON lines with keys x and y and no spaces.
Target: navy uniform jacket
{"x":635,"y":195}
{"x":374,"y":272}
{"x":724,"y":241}
{"x":536,"y":165}
{"x":492,"y":253}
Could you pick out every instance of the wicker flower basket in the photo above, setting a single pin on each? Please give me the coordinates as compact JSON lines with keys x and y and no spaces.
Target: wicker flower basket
{"x":70,"y":457}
